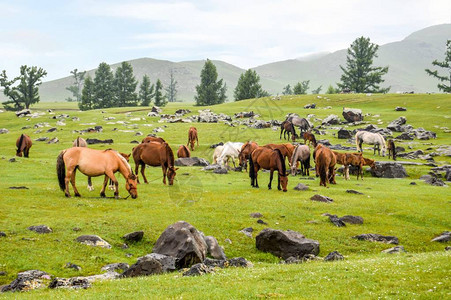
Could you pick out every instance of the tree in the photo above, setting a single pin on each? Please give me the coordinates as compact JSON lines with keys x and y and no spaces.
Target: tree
{"x":446,"y":64}
{"x":171,"y":90}
{"x":249,"y":86}
{"x":360,"y":75}
{"x":160,"y":100}
{"x":104,"y":87}
{"x":146,"y":91}
{"x":301,"y":87}
{"x":125,"y":86}
{"x":317,"y":90}
{"x":88,"y":99}
{"x":332,"y":90}
{"x":210,"y":91}
{"x":26,"y":92}
{"x":287,"y":90}
{"x":76,"y":87}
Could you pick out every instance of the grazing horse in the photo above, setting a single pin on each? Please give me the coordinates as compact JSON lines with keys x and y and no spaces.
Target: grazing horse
{"x":265,"y":158}
{"x":391,"y":149}
{"x":302,"y":123}
{"x":23,"y":145}
{"x":286,"y":150}
{"x":79,"y":142}
{"x":192,"y":138}
{"x":371,"y":138}
{"x":245,"y":152}
{"x":341,"y":159}
{"x":149,"y":139}
{"x":310,"y":137}
{"x":301,"y":153}
{"x":94,"y":163}
{"x":356,"y":160}
{"x":325,"y":161}
{"x":230,"y":150}
{"x":183,"y":152}
{"x":155,"y":154}
{"x":287,"y":128}
{"x":217,"y":153}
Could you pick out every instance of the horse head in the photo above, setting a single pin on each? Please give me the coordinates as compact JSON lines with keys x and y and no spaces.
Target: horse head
{"x":284,"y":181}
{"x":171,"y":174}
{"x":131,"y":185}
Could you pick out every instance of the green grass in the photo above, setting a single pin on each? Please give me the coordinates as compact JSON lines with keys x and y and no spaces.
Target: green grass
{"x":220,"y":205}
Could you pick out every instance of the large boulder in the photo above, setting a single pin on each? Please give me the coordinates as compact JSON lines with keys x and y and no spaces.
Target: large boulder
{"x":191,"y":162}
{"x":144,"y":267}
{"x":399,"y":125}
{"x":387,"y":169}
{"x":184,"y":242}
{"x":135,"y":236}
{"x":352,"y":114}
{"x":286,"y":243}
{"x":422,"y":134}
{"x":331,"y":120}
{"x":344,"y":134}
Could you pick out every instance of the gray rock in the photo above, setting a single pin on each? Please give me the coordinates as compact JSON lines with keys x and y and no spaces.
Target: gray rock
{"x":12,"y":160}
{"x":93,"y":240}
{"x":335,"y":255}
{"x":352,"y":219}
{"x":27,"y":280}
{"x":260,"y":221}
{"x":52,"y":129}
{"x":352,"y":114}
{"x":422,"y":134}
{"x":198,"y":269}
{"x":42,"y":139}
{"x":191,"y":161}
{"x":372,"y":237}
{"x":97,"y":141}
{"x":396,"y":125}
{"x":70,"y":265}
{"x":321,"y":198}
{"x":73,"y":283}
{"x":247,"y":231}
{"x":344,"y":134}
{"x":301,"y":187}
{"x":256,"y":215}
{"x":220,"y":171}
{"x":445,"y":236}
{"x":335,"y":220}
{"x":2,"y":234}
{"x":168,"y":263}
{"x":144,"y":267}
{"x":23,"y":113}
{"x":331,"y":120}
{"x":286,"y":243}
{"x":407,"y":136}
{"x":387,"y":169}
{"x":448,"y":248}
{"x":310,"y":106}
{"x":354,"y":192}
{"x":135,"y":236}
{"x":399,"y":108}
{"x":239,"y":262}
{"x":396,"y":249}
{"x":4,"y":130}
{"x":40,"y":229}
{"x":432,"y":180}
{"x":213,"y":248}
{"x":53,"y":141}
{"x":115,"y":267}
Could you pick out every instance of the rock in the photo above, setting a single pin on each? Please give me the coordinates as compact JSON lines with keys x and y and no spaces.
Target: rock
{"x":97,"y":141}
{"x":256,"y":215}
{"x":12,"y":159}
{"x":411,"y":155}
{"x":239,"y":262}
{"x":407,"y":136}
{"x":247,"y":231}
{"x":70,"y":265}
{"x":168,"y":263}
{"x":335,"y":255}
{"x":74,"y":283}
{"x":134,"y":236}
{"x":23,"y":113}
{"x":220,"y":171}
{"x":387,"y":169}
{"x":396,"y":125}
{"x":213,"y":248}
{"x":156,"y":109}
{"x":399,"y":108}
{"x":321,"y":198}
{"x":27,"y":280}
{"x":285,"y":243}
{"x":448,"y":248}
{"x":144,"y":267}
{"x":198,"y":269}
{"x":354,"y":192}
{"x":184,"y":242}
{"x":445,"y":236}
{"x":42,"y":139}
{"x":310,"y":106}
{"x":53,"y":141}
{"x":260,"y":221}
{"x":344,"y":134}
{"x":52,"y":129}
{"x":299,"y":260}
{"x":331,"y":120}
{"x":335,"y":220}
{"x":432,"y":180}
{"x":212,"y":167}
{"x":396,"y":249}
{"x":4,"y":130}
{"x":18,"y":188}
{"x":413,"y":183}
{"x":2,"y":234}
{"x":40,"y":229}
{"x":422,"y":134}
{"x":301,"y":187}
{"x":352,"y":219}
{"x":216,"y":145}
{"x":93,"y":240}
{"x":352,"y":115}
{"x":324,"y":142}
{"x":115,"y":267}
{"x":372,"y":237}
{"x":191,"y":162}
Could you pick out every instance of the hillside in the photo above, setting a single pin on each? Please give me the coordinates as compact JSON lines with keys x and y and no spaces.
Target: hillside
{"x":407,"y":60}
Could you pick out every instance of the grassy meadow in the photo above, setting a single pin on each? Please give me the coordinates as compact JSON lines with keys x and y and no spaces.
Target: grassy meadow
{"x":220,"y":205}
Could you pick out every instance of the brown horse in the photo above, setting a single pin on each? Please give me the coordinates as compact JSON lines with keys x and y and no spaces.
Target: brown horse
{"x":287,"y":128}
{"x":23,"y":145}
{"x":192,"y":138}
{"x":356,"y":160}
{"x":341,"y":159}
{"x":79,"y":142}
{"x":94,"y":163}
{"x":286,"y":150}
{"x":149,"y":139}
{"x":183,"y":152}
{"x":391,"y":149}
{"x":269,"y":159}
{"x":245,"y":152}
{"x":310,"y":137}
{"x":325,"y":161}
{"x":155,"y":154}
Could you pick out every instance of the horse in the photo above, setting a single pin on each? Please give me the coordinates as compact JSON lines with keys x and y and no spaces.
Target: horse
{"x":371,"y":138}
{"x":391,"y":149}
{"x":149,"y":139}
{"x":287,"y":127}
{"x":325,"y":161}
{"x":155,"y":154}
{"x":310,"y":137}
{"x":230,"y":150}
{"x":286,"y":150}
{"x":301,"y":153}
{"x":79,"y":142}
{"x":217,"y":153}
{"x":269,"y":159}
{"x":94,"y":163}
{"x":23,"y":145}
{"x":302,"y":123}
{"x":245,"y":152}
{"x":192,"y":138}
{"x":183,"y":152}
{"x":341,"y":159}
{"x":356,"y":160}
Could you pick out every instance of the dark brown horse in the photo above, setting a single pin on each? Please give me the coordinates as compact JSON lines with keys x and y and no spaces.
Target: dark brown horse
{"x":391,"y":149}
{"x":310,"y":137}
{"x":155,"y":154}
{"x":325,"y":161}
{"x":183,"y":152}
{"x":94,"y":163}
{"x":288,"y":128}
{"x":149,"y":139}
{"x":245,"y":152}
{"x":23,"y":145}
{"x":265,"y":158}
{"x":192,"y":138}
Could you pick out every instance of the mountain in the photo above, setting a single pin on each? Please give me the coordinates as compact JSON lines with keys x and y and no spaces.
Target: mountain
{"x":406,"y":59}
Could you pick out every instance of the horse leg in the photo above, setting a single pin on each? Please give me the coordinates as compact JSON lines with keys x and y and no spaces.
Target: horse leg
{"x":110,"y":174}
{"x":90,"y":187}
{"x":360,"y":146}
{"x":332,"y":175}
{"x":72,"y":181}
{"x":164,"y":168}
{"x":271,"y":173}
{"x":143,"y":167}
{"x":25,"y":152}
{"x":102,"y":191}
{"x":66,"y":182}
{"x":256,"y":168}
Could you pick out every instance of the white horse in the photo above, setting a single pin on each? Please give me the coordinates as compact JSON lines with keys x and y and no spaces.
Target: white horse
{"x":370,"y":138}
{"x":217,"y":153}
{"x":230,"y":150}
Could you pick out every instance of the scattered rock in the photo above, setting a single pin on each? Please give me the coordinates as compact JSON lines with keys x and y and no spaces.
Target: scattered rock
{"x":42,"y":139}
{"x":23,"y":113}
{"x":422,"y":134}
{"x":399,"y":108}
{"x":198,"y":269}
{"x":18,"y":188}
{"x":220,"y":170}
{"x":70,"y":265}
{"x":247,"y":231}
{"x":93,"y":240}
{"x":239,"y":262}
{"x":352,"y":219}
{"x":12,"y":160}
{"x":260,"y":221}
{"x":354,"y":192}
{"x":144,"y":267}
{"x":335,"y":255}
{"x":310,"y":106}
{"x":387,"y":169}
{"x":396,"y":249}
{"x":413,"y":183}
{"x":321,"y":198}
{"x":213,"y":248}
{"x":134,"y":236}
{"x":407,"y":136}
{"x":74,"y":283}
{"x":352,"y":115}
{"x":53,"y":141}
{"x":301,"y":187}
{"x":40,"y":229}
{"x":115,"y":267}
{"x":372,"y":237}
{"x":398,"y":124}
{"x":2,"y":234}
{"x":4,"y":130}
{"x":256,"y":215}
{"x":298,"y":260}
{"x":52,"y":129}
{"x":344,"y":134}
{"x":445,"y":236}
{"x":432,"y":180}
{"x":168,"y":263}
{"x":331,"y":120}
{"x":28,"y":280}
{"x":191,"y":162}
{"x":97,"y":141}
{"x":335,"y":220}
{"x":448,"y":248}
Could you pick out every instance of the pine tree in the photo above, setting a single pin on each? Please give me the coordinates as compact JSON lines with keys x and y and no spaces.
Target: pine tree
{"x":210,"y":91}
{"x":88,"y":99}
{"x":160,"y":100}
{"x":332,"y":90}
{"x":446,"y":64}
{"x":77,"y":86}
{"x":171,"y":90}
{"x":360,"y":75}
{"x":104,"y":87}
{"x":146,"y":91}
{"x":125,"y":86}
{"x":249,"y":87}
{"x":317,"y":90}
{"x":301,"y":87}
{"x":287,"y":90}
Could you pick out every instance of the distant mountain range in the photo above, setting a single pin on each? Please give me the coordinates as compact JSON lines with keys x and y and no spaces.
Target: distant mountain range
{"x":406,"y":59}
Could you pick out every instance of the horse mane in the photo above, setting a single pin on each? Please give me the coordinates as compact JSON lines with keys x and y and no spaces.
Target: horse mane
{"x":282,"y":162}
{"x":124,"y":161}
{"x":295,"y":152}
{"x":170,"y":155}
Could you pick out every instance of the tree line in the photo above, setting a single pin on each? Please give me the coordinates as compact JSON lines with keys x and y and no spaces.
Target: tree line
{"x":118,"y":89}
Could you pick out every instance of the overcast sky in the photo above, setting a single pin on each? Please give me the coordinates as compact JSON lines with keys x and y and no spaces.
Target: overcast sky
{"x":62,"y":35}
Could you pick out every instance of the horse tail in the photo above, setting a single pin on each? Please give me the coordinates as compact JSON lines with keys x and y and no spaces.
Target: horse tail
{"x":294,"y":156}
{"x":251,"y":167}
{"x":21,"y":140}
{"x":282,"y":161}
{"x":61,"y":170}
{"x":322,"y":168}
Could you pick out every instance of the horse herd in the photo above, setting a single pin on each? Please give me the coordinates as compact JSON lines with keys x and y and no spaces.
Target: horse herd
{"x":155,"y":151}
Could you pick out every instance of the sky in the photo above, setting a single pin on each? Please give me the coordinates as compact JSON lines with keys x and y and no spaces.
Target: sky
{"x":60,"y":36}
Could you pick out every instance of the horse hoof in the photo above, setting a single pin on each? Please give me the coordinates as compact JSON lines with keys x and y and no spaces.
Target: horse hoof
{"x":102,"y":195}
{"x":67,"y":196}
{"x":77,"y":195}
